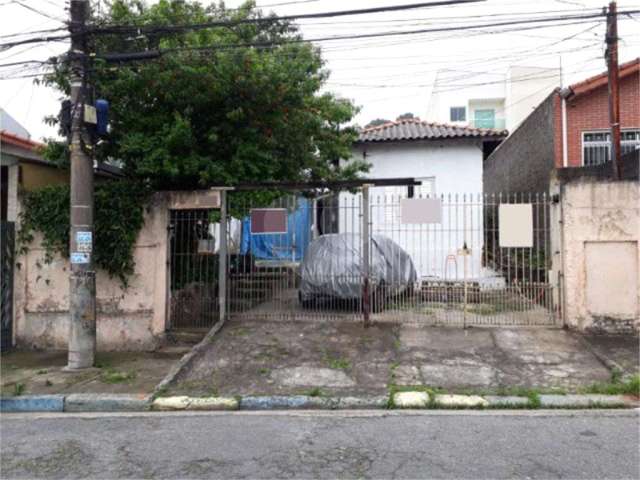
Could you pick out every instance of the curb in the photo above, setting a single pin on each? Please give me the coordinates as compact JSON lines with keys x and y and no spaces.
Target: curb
{"x":283,"y":402}
{"x":401,"y":400}
{"x":186,"y":360}
{"x":183,"y":402}
{"x":32,"y":403}
{"x":96,"y":402}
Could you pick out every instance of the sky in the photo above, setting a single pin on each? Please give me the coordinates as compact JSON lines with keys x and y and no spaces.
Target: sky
{"x":384,"y":76}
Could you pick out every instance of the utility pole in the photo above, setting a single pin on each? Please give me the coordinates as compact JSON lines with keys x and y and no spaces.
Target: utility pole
{"x":82,"y":284}
{"x":614,"y":87}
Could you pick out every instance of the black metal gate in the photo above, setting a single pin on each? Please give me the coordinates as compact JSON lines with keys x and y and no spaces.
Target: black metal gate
{"x":7,"y":257}
{"x":193,"y":270}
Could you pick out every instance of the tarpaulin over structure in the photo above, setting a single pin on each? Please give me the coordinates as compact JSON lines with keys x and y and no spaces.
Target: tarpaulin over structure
{"x":290,"y":246}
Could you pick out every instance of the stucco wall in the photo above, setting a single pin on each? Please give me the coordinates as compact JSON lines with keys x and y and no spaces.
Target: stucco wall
{"x":131,"y":319}
{"x":600,"y":240}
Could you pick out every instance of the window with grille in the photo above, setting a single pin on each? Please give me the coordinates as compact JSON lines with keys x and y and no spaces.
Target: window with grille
{"x":596,"y":146}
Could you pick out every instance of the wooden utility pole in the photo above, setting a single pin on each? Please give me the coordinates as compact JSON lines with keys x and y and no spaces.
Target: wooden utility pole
{"x":82,"y":284}
{"x":614,"y":88}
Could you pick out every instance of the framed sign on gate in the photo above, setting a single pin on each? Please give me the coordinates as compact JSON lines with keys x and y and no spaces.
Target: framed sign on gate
{"x":265,"y":221}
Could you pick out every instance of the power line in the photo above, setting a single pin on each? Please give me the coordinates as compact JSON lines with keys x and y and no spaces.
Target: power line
{"x":112,"y":29}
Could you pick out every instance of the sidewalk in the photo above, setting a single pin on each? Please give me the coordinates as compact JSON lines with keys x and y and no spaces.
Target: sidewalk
{"x":40,"y":373}
{"x":338,"y":359}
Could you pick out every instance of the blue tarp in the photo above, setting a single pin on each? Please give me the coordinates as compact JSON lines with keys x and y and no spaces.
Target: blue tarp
{"x":281,"y":246}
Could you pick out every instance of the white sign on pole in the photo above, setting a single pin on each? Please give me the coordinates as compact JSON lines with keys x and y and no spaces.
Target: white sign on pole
{"x":516,"y":225}
{"x":420,"y":210}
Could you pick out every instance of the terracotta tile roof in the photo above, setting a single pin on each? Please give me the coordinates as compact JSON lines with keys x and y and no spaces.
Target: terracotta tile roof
{"x":602,"y":79}
{"x":413,"y":129}
{"x":19,"y":141}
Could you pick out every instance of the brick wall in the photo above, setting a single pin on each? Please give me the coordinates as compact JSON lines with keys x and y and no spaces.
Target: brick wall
{"x":591,"y":112}
{"x":523,"y":162}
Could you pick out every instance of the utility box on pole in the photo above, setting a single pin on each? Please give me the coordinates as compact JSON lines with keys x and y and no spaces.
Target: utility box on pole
{"x":82,"y":284}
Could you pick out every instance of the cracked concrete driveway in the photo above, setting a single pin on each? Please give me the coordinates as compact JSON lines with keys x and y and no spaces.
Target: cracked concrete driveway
{"x":334,"y":358}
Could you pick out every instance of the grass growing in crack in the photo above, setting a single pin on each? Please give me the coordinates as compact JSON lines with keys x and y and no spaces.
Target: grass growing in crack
{"x":41,"y":372}
{"x":392,"y":371}
{"x":112,"y":376}
{"x":264,"y":371}
{"x":18,"y":389}
{"x":336,"y":363}
{"x":315,"y":392}
{"x":617,"y":386}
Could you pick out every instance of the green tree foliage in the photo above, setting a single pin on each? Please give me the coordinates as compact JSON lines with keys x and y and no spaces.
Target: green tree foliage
{"x":210,"y":112}
{"x":406,"y":116}
{"x":377,"y":122}
{"x":119,"y":216}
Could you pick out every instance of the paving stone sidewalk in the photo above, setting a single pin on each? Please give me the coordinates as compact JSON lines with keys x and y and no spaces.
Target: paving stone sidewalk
{"x":332,"y":358}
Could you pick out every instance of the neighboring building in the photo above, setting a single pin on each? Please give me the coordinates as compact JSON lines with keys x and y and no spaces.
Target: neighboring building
{"x":489,"y":100}
{"x":448,"y":161}
{"x":543,"y":141}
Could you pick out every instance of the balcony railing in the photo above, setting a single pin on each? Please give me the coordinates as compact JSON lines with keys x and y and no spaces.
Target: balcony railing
{"x":496,"y":123}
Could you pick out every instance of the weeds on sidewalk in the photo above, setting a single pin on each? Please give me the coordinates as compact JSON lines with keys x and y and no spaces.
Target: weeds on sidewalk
{"x":616,"y":386}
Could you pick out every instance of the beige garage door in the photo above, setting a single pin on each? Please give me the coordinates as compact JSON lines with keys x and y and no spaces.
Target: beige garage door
{"x":612,"y":278}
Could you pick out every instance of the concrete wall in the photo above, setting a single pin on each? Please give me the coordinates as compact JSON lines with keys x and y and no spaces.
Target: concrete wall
{"x":523,"y":162}
{"x":599,"y":241}
{"x":131,"y":319}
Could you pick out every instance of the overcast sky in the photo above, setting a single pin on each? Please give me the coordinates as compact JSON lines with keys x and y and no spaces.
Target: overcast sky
{"x":385,"y":76}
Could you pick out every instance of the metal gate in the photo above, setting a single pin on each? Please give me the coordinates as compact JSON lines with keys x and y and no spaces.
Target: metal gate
{"x":7,"y":259}
{"x":193,"y":270}
{"x":354,"y":256}
{"x":448,"y":271}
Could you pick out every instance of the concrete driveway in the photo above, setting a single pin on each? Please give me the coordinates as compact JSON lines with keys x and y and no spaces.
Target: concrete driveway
{"x":342,"y":358}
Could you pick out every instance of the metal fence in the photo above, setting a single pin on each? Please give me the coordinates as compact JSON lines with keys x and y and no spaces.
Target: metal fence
{"x":345,"y":256}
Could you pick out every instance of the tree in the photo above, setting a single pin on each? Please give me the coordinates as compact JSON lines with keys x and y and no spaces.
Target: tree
{"x":210,"y":111}
{"x":377,"y":122}
{"x":406,"y":116}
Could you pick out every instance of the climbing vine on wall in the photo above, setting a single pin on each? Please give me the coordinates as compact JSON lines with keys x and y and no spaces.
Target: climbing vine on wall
{"x":119,"y":216}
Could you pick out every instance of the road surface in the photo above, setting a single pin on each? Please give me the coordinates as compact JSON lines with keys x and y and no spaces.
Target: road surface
{"x":436,"y":444}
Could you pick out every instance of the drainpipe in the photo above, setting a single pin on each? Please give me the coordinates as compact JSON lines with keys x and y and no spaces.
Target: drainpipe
{"x":565,"y":159}
{"x":564,"y":94}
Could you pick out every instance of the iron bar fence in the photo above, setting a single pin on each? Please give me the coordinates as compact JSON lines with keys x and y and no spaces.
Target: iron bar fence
{"x":451,"y":270}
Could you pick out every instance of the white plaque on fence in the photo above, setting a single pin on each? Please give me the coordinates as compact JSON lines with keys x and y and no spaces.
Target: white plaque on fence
{"x":515,"y":225}
{"x":420,"y":210}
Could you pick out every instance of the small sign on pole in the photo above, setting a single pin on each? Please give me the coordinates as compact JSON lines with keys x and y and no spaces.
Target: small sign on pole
{"x":268,"y":220}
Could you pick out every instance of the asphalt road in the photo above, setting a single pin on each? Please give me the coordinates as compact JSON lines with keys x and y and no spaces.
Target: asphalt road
{"x":538,"y":444}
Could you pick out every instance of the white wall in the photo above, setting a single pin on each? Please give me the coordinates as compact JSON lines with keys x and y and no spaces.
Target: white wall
{"x":454,"y":169}
{"x":456,"y":89}
{"x":527,"y":87}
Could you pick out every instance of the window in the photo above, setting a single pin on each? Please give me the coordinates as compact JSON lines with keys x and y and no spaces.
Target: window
{"x":485,"y":118}
{"x":458,"y":114}
{"x":596,"y":146}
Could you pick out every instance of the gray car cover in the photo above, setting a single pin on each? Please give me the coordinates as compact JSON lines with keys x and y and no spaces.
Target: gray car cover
{"x":332,"y":267}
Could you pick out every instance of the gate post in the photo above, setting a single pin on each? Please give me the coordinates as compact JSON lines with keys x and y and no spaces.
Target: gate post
{"x":366,"y":295}
{"x":222,"y":258}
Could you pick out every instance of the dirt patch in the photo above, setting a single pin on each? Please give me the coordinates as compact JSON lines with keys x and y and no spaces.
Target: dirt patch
{"x":37,"y":372}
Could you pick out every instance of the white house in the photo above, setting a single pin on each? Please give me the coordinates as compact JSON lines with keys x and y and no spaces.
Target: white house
{"x":448,"y":161}
{"x":490,"y":99}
